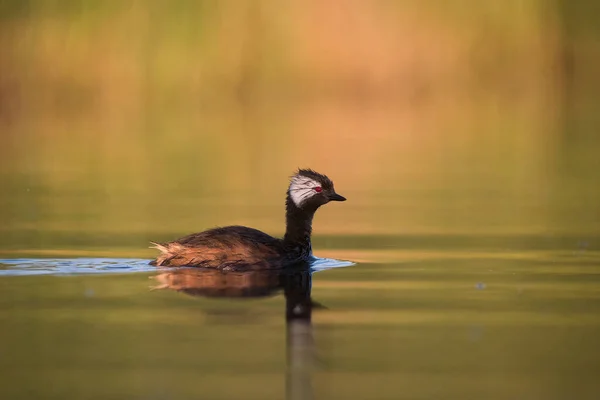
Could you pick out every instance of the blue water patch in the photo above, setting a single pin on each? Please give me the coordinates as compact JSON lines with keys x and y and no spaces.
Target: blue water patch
{"x":322,"y":264}
{"x":77,"y":266}
{"x":73,"y":266}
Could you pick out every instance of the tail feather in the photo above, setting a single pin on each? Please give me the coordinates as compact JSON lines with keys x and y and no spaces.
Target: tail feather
{"x":159,"y":246}
{"x":163,"y":257}
{"x":175,"y":254}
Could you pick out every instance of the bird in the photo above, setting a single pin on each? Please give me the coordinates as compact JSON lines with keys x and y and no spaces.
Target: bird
{"x":240,"y":248}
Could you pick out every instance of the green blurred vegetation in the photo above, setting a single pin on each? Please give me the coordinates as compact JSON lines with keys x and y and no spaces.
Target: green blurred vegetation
{"x":125,"y":121}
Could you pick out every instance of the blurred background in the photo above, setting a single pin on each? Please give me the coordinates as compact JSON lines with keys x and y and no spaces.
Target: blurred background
{"x":125,"y":121}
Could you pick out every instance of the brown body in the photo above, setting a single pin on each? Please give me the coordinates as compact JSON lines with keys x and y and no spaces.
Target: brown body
{"x":243,"y":248}
{"x":229,"y":248}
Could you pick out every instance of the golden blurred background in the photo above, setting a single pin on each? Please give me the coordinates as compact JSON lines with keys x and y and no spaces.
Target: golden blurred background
{"x":128,"y":121}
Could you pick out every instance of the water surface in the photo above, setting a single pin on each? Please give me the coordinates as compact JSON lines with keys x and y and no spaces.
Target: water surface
{"x":477,"y":321}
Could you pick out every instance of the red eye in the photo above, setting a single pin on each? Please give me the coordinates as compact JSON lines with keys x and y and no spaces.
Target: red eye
{"x":318,"y":189}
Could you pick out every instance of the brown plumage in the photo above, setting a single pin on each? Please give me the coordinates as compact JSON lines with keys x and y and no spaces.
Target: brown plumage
{"x":243,"y":248}
{"x":226,"y":247}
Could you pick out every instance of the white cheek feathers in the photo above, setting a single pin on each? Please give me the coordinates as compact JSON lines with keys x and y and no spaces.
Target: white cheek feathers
{"x":302,"y":188}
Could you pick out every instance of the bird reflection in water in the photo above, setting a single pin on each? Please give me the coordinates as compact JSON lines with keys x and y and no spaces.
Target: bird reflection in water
{"x":295,"y":282}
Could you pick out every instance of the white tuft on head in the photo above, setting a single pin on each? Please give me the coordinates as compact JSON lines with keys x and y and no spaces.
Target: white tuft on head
{"x":302,"y":188}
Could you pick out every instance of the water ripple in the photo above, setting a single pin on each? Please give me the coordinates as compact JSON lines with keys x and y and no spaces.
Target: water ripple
{"x":78,"y":266}
{"x":73,"y":266}
{"x":322,"y":264}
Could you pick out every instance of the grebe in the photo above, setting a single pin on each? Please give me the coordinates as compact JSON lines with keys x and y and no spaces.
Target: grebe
{"x":242,"y":248}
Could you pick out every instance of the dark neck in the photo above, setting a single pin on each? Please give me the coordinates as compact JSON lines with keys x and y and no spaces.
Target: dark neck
{"x":298,"y":225}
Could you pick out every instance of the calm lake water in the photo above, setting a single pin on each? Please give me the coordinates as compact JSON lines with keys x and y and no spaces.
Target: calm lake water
{"x":463,"y":317}
{"x":476,"y":261}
